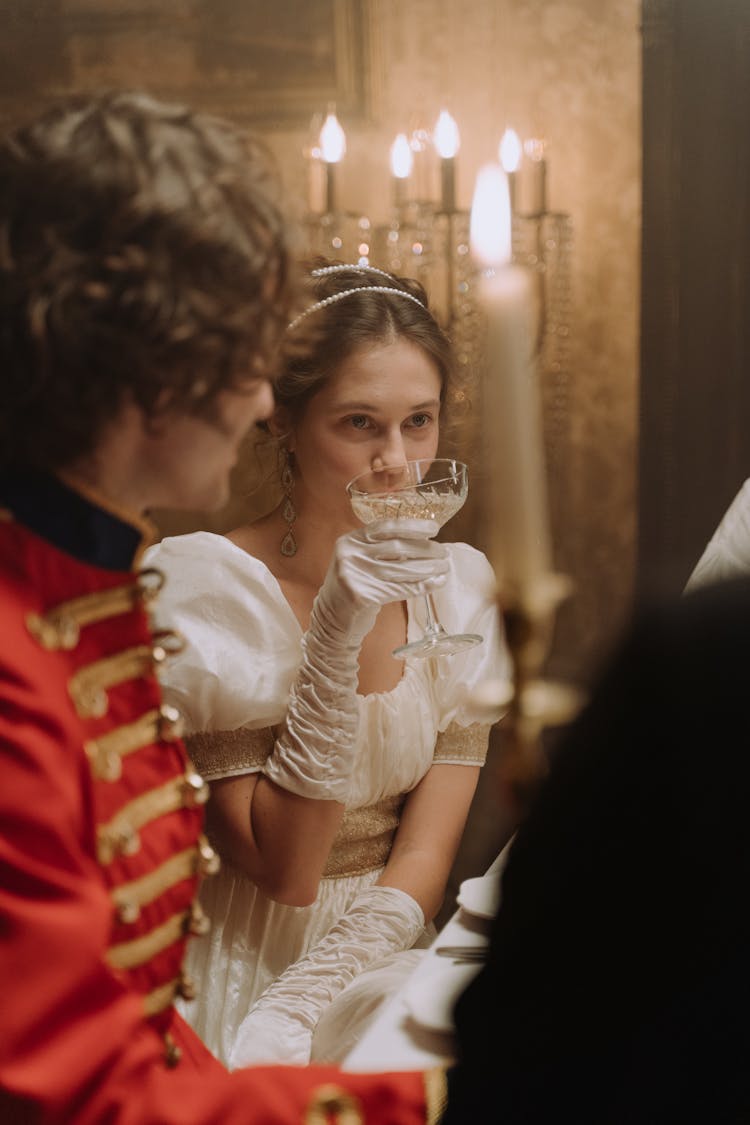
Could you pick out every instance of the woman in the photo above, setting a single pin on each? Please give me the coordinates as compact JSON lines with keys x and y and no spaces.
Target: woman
{"x":341,"y":777}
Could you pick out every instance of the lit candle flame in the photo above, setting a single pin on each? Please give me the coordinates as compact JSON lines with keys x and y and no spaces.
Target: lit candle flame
{"x":510,"y":151}
{"x":402,"y":158}
{"x":332,"y":140}
{"x":447,"y":138}
{"x":490,"y":227}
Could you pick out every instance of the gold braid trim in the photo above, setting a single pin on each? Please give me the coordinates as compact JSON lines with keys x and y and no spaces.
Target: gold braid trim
{"x":435,"y":1095}
{"x":88,"y":686}
{"x":128,"y":898}
{"x":106,"y":752}
{"x":60,"y":627}
{"x":222,"y":753}
{"x":120,"y":834}
{"x":332,"y":1105}
{"x":463,"y":745}
{"x":130,"y":954}
{"x":160,"y":998}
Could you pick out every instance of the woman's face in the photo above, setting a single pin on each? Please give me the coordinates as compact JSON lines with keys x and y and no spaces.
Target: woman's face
{"x":381,"y":407}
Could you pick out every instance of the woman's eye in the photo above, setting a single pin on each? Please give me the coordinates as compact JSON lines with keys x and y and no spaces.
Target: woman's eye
{"x":419,"y":420}
{"x":359,"y":421}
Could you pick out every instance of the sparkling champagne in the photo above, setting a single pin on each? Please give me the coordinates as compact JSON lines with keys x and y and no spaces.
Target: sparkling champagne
{"x":424,"y":503}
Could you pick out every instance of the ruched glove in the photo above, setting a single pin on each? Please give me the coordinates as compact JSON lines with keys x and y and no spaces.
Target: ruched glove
{"x":280,"y":1025}
{"x":385,"y":561}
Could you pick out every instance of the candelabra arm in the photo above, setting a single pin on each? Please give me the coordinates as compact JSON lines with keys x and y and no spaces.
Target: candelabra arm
{"x":533,"y":702}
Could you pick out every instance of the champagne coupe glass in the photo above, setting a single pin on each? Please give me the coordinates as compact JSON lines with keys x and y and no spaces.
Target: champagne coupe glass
{"x":431,"y":489}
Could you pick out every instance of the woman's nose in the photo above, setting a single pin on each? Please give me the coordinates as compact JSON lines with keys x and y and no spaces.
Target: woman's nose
{"x":391,"y":452}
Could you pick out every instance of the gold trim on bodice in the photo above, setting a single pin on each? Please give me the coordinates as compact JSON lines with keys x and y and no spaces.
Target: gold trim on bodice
{"x":60,"y":627}
{"x":222,"y":753}
{"x":463,"y":745}
{"x":364,"y":839}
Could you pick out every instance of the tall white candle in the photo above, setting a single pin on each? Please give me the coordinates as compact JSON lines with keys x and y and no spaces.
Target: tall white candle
{"x":509,"y":152}
{"x":447,"y":144}
{"x":402,"y":161}
{"x":332,"y":147}
{"x":516,"y":514}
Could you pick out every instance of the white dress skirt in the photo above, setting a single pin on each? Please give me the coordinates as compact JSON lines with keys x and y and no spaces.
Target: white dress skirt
{"x":231,"y":684}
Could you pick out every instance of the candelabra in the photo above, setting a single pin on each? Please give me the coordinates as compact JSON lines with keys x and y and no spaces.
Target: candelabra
{"x":428,"y":239}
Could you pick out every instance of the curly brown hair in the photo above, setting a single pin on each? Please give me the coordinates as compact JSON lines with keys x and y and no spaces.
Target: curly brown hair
{"x":143,"y":257}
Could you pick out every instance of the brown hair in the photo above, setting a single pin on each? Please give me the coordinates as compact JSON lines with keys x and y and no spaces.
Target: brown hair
{"x":143,"y":255}
{"x":327,"y":336}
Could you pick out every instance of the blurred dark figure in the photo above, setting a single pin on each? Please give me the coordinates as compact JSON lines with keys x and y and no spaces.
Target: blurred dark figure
{"x":618,"y":982}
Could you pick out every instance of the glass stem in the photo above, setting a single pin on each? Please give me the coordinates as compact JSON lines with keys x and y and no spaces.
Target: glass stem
{"x":434,"y":627}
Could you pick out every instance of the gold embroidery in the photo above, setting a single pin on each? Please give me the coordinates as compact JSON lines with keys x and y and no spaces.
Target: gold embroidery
{"x":364,"y":839}
{"x":463,"y":745}
{"x":222,"y":753}
{"x":120,"y":835}
{"x":130,"y":954}
{"x":130,"y":897}
{"x":106,"y":752}
{"x":60,"y":628}
{"x":436,"y":1095}
{"x":160,"y":998}
{"x":332,"y":1105}
{"x":88,"y":686}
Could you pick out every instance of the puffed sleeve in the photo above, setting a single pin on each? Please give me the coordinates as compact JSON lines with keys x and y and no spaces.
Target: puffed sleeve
{"x":727,"y":553}
{"x":242,"y":649}
{"x":468,"y":605}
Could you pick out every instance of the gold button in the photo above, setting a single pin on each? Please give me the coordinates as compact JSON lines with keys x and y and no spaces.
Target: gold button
{"x":196,"y":790}
{"x":187,"y":988}
{"x":172,"y":1053}
{"x":128,"y":912}
{"x":199,"y":922}
{"x":171,"y":723}
{"x":209,"y":862}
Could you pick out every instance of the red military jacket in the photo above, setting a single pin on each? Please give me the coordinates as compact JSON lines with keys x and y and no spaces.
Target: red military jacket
{"x":101,"y":852}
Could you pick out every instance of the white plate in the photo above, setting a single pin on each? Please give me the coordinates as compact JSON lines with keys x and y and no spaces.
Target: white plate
{"x":430,"y":997}
{"x":480,"y":896}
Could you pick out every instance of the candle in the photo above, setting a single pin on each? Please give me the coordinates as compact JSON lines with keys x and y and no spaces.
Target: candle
{"x":536,"y":177}
{"x":509,"y":153}
{"x":332,"y":148}
{"x":316,"y":181}
{"x":447,"y":143}
{"x":401,"y":166}
{"x":516,"y":514}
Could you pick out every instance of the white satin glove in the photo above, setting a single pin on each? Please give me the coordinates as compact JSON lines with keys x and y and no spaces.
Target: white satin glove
{"x":386,"y":561}
{"x":279,"y":1027}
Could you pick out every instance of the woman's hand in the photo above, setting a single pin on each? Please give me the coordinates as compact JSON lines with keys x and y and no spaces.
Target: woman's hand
{"x":385,"y":561}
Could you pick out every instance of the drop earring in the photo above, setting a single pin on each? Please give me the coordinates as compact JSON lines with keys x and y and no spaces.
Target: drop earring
{"x":288,"y":512}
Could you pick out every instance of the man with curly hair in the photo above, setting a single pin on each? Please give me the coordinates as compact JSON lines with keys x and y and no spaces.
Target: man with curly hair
{"x":146,"y":279}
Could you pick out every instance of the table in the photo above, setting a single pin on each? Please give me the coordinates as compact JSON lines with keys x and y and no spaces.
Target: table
{"x":395,"y":1040}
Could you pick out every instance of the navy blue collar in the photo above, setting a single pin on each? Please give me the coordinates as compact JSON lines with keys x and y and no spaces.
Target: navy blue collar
{"x":70,"y":521}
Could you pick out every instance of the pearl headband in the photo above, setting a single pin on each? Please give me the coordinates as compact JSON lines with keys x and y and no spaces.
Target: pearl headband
{"x":325,"y":270}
